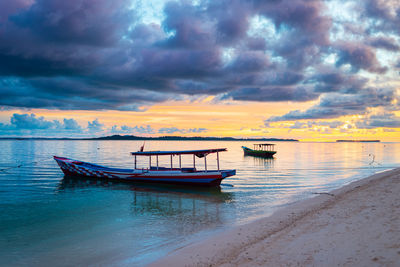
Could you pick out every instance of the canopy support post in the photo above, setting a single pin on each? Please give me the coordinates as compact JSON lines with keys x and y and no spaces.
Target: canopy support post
{"x":157,"y":161}
{"x":205,"y":162}
{"x":135,"y":161}
{"x":194,"y":161}
{"x":217,"y":161}
{"x":171,"y":162}
{"x":149,"y":162}
{"x":180,"y":165}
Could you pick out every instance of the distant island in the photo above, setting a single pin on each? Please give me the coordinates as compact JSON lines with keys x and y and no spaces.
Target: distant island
{"x":166,"y":138}
{"x":362,"y":141}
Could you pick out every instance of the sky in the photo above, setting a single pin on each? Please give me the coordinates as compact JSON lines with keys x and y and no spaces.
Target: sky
{"x":313,"y":70}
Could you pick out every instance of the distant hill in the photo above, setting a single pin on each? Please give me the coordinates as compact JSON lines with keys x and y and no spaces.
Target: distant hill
{"x":166,"y":138}
{"x":194,"y":138}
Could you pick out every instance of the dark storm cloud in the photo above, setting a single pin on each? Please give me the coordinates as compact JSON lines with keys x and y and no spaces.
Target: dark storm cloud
{"x":385,"y":15}
{"x":51,"y":38}
{"x":336,"y":105}
{"x":189,"y":24}
{"x":72,"y":94}
{"x":304,"y":28}
{"x":388,"y":120}
{"x":303,"y":15}
{"x":232,"y":20}
{"x":385,"y":43}
{"x":359,"y":57}
{"x":100,"y":54}
{"x":256,"y":44}
{"x":89,"y":22}
{"x":8,"y":8}
{"x":272,"y":93}
{"x":335,"y":81}
{"x":249,"y":62}
{"x":310,"y":124}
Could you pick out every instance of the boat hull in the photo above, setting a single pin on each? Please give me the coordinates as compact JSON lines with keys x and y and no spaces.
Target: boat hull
{"x":72,"y":167}
{"x":258,"y":153}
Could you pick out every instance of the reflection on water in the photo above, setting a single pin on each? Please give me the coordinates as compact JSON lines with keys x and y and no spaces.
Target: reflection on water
{"x":48,"y":218}
{"x":260,"y":161}
{"x":164,"y":200}
{"x":212,"y":194}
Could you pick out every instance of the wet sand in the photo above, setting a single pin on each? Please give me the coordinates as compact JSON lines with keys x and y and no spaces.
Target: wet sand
{"x":356,"y":225}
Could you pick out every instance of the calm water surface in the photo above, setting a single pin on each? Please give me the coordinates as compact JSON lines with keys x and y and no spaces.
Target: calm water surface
{"x":48,"y":219}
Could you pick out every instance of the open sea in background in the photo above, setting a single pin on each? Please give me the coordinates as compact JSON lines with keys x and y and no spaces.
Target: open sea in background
{"x":46,"y":219}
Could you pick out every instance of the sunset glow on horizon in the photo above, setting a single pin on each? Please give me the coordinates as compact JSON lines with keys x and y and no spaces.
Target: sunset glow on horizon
{"x":309,"y":70}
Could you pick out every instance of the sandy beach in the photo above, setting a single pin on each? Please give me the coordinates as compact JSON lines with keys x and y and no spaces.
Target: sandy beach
{"x":356,"y":225}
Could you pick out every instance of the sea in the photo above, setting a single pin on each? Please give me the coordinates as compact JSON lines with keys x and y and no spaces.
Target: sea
{"x":47,"y":219}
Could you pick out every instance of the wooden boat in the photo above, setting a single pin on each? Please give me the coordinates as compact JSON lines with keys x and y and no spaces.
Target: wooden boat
{"x":154,"y":174}
{"x":260,"y":150}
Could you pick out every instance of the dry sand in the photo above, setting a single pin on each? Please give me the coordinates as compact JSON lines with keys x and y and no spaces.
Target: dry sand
{"x":356,"y":225}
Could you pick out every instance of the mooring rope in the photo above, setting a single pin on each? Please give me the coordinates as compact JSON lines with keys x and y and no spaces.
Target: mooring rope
{"x":23,"y":165}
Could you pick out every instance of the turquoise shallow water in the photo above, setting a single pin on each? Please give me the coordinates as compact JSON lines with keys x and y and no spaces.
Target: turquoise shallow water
{"x":46,"y":219}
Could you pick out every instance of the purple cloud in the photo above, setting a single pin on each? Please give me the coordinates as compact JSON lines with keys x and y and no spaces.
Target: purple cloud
{"x":334,"y":81}
{"x":171,"y":130}
{"x":132,"y":130}
{"x":272,"y":93}
{"x":385,"y":43}
{"x":98,"y":54}
{"x":335,"y":105}
{"x":359,"y":57}
{"x":388,"y":120}
{"x":86,"y":22}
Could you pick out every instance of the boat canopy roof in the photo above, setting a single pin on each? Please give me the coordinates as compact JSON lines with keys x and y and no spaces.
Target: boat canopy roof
{"x":199,"y":153}
{"x":264,"y":144}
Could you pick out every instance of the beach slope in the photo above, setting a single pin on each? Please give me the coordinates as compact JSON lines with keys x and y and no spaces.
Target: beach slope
{"x":356,"y":225}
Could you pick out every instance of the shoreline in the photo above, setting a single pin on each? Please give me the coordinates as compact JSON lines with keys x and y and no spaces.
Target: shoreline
{"x":357,"y":224}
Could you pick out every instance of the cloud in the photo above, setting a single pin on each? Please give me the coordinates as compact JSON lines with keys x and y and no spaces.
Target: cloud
{"x":388,"y":120}
{"x":95,"y":126}
{"x":132,"y":130}
{"x":335,"y":105}
{"x":171,"y":130}
{"x":82,"y":22}
{"x":272,"y":93}
{"x":26,"y":121}
{"x":73,"y":94}
{"x":387,"y":43}
{"x":71,"y":124}
{"x":197,"y":130}
{"x":249,"y":62}
{"x":335,"y":81}
{"x":30,"y":124}
{"x":385,"y":15}
{"x":106,"y":55}
{"x":310,"y":124}
{"x":33,"y":125}
{"x":189,"y":26}
{"x":359,"y":57}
